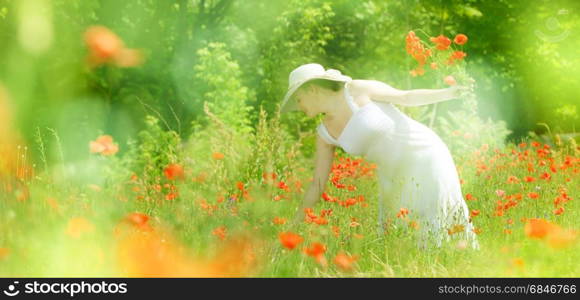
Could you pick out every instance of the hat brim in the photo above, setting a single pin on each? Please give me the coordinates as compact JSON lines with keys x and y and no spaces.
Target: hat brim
{"x":289,"y":104}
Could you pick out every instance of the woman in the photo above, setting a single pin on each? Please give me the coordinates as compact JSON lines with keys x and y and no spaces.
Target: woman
{"x":415,"y":169}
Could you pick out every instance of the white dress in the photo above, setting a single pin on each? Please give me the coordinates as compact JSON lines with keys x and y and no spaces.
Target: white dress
{"x":414,"y":167}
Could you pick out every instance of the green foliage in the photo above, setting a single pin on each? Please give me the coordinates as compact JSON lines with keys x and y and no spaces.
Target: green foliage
{"x":301,"y":34}
{"x":153,"y":150}
{"x":218,"y":78}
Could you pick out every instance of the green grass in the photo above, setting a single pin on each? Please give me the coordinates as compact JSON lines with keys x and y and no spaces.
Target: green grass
{"x":36,"y":243}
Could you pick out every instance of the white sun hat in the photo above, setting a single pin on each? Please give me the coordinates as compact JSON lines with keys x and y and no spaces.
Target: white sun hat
{"x":305,"y":73}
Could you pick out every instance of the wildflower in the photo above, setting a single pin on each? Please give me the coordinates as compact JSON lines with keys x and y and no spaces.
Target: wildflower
{"x":171,"y":196}
{"x":106,"y":47}
{"x":217,"y":155}
{"x":415,"y":48}
{"x":290,"y":240}
{"x":174,"y":171}
{"x":500,"y":193}
{"x":442,"y":42}
{"x":403,"y":212}
{"x":539,"y":228}
{"x":474,"y":212}
{"x":558,"y":211}
{"x":283,"y":186}
{"x":545,"y":176}
{"x":458,"y":55}
{"x":450,"y":80}
{"x":220,"y":232}
{"x":512,"y":179}
{"x":336,"y":231}
{"x":533,"y":195}
{"x":138,"y":220}
{"x":279,"y":221}
{"x":344,"y":261}
{"x":460,"y":39}
{"x":414,"y":224}
{"x":104,"y":145}
{"x":325,"y":212}
{"x":327,"y":197}
{"x":317,"y":250}
{"x":354,"y":224}
{"x":469,"y":196}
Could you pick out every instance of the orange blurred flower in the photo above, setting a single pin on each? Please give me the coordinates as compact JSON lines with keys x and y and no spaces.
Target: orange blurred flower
{"x":138,"y":220}
{"x":344,"y":261}
{"x":157,"y":253}
{"x":450,"y":80}
{"x":104,"y":145}
{"x":539,"y":228}
{"x":106,"y":47}
{"x":217,"y":155}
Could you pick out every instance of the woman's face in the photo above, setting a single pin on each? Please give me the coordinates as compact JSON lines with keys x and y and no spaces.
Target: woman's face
{"x":306,"y":98}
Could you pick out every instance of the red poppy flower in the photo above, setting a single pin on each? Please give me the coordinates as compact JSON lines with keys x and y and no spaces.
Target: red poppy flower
{"x":174,"y":171}
{"x":460,"y":39}
{"x":290,"y":240}
{"x":442,"y":42}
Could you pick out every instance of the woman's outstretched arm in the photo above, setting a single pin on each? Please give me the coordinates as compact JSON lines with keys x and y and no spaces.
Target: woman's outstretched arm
{"x":380,"y":91}
{"x":323,"y":163}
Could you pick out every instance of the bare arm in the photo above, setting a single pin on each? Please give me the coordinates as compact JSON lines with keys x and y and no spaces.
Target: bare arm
{"x":323,"y":163}
{"x":381,"y":91}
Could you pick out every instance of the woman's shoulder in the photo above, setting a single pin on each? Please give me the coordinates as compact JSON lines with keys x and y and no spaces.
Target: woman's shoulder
{"x":361,"y":88}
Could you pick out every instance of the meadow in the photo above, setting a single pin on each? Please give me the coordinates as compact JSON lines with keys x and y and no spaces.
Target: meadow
{"x":144,"y":139}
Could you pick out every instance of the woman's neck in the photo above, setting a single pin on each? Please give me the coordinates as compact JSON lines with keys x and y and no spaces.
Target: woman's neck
{"x":338,"y":109}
